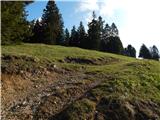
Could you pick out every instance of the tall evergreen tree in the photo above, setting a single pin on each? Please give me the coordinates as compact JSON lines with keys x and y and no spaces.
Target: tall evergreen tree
{"x":93,"y":40}
{"x":144,"y":52}
{"x":38,"y":30}
{"x":67,"y":37}
{"x":114,"y":45}
{"x":15,"y":27}
{"x":155,"y":53}
{"x":74,"y":41}
{"x":53,"y":24}
{"x":101,"y":23}
{"x":104,"y":36}
{"x":114,"y":30}
{"x":130,"y":51}
{"x":81,"y":35}
{"x":106,"y":31}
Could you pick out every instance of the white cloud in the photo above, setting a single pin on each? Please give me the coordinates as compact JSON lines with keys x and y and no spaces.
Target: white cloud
{"x":88,"y":5}
{"x":142,"y":23}
{"x":139,"y":21}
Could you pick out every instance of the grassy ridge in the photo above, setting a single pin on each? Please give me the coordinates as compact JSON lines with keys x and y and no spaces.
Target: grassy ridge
{"x":55,"y":52}
{"x":135,"y":78}
{"x":127,"y":78}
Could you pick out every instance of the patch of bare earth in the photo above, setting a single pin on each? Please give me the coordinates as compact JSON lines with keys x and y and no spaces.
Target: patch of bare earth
{"x":96,"y":61}
{"x":32,"y":91}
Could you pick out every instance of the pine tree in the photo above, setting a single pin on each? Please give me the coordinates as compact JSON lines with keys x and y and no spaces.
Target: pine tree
{"x":114,"y":45}
{"x":67,"y":37}
{"x":82,"y":35}
{"x":101,"y":23}
{"x":38,"y":30}
{"x":15,"y":27}
{"x":74,"y":41}
{"x":30,"y":34}
{"x":93,"y":41}
{"x":105,"y":35}
{"x":130,"y":51}
{"x":155,"y":53}
{"x":114,"y":30}
{"x":53,"y":24}
{"x":144,"y":52}
{"x":107,"y":31}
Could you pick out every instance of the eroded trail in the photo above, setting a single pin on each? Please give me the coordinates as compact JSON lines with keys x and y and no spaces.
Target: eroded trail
{"x":79,"y":89}
{"x":48,"y":99}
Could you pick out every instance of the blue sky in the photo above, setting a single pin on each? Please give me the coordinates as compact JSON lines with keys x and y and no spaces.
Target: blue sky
{"x":137,"y":20}
{"x":67,"y":9}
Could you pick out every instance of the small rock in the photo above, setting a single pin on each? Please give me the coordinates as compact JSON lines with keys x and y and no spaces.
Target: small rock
{"x":54,"y":66}
{"x":24,"y":102}
{"x":21,"y":71}
{"x":55,"y":102}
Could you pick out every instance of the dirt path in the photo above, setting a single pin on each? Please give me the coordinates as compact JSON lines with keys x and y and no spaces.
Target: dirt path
{"x":49,"y":99}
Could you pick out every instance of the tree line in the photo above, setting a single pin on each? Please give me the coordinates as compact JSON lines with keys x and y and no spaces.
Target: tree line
{"x":50,"y":30}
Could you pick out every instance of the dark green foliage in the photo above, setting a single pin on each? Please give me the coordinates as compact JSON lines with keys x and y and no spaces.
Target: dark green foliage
{"x":53,"y":24}
{"x":74,"y":41}
{"x":28,"y":2}
{"x":114,"y":29}
{"x":130,"y":51}
{"x":28,"y":36}
{"x":15,"y":28}
{"x":67,"y":37}
{"x":155,"y":53}
{"x":113,"y":45}
{"x":82,"y":35}
{"x":93,"y":40}
{"x":38,"y":31}
{"x":101,"y":22}
{"x":108,"y":31}
{"x":144,"y":52}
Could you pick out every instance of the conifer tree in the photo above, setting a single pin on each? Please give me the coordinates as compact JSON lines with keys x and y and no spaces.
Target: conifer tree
{"x":53,"y":24}
{"x":15,"y":27}
{"x":93,"y":40}
{"x":114,"y":45}
{"x":38,"y":30}
{"x":144,"y":52}
{"x":155,"y":53}
{"x":130,"y":51}
{"x":114,"y":30}
{"x":67,"y":37}
{"x":81,"y":35}
{"x":101,"y":23}
{"x":74,"y":41}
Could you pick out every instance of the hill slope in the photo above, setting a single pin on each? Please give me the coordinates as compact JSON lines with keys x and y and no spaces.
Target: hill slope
{"x":54,"y":82}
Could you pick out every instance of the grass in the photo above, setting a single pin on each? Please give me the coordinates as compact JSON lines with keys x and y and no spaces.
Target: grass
{"x":130,"y":74}
{"x":129,"y":78}
{"x":55,"y":52}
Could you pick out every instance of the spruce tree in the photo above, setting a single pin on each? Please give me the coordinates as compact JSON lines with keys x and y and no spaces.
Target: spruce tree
{"x":67,"y":37}
{"x":114,"y":30}
{"x":104,"y":36}
{"x":53,"y":24}
{"x":101,"y":23}
{"x":114,"y":45}
{"x":130,"y":51}
{"x":81,"y":35}
{"x":155,"y":53}
{"x":15,"y":27}
{"x":74,"y":41}
{"x":144,"y":52}
{"x":93,"y":41}
{"x":38,"y":30}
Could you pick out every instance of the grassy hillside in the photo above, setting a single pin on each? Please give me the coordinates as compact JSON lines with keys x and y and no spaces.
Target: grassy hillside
{"x":99,"y":85}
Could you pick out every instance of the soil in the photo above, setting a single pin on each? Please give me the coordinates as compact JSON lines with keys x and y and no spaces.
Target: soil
{"x":48,"y":92}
